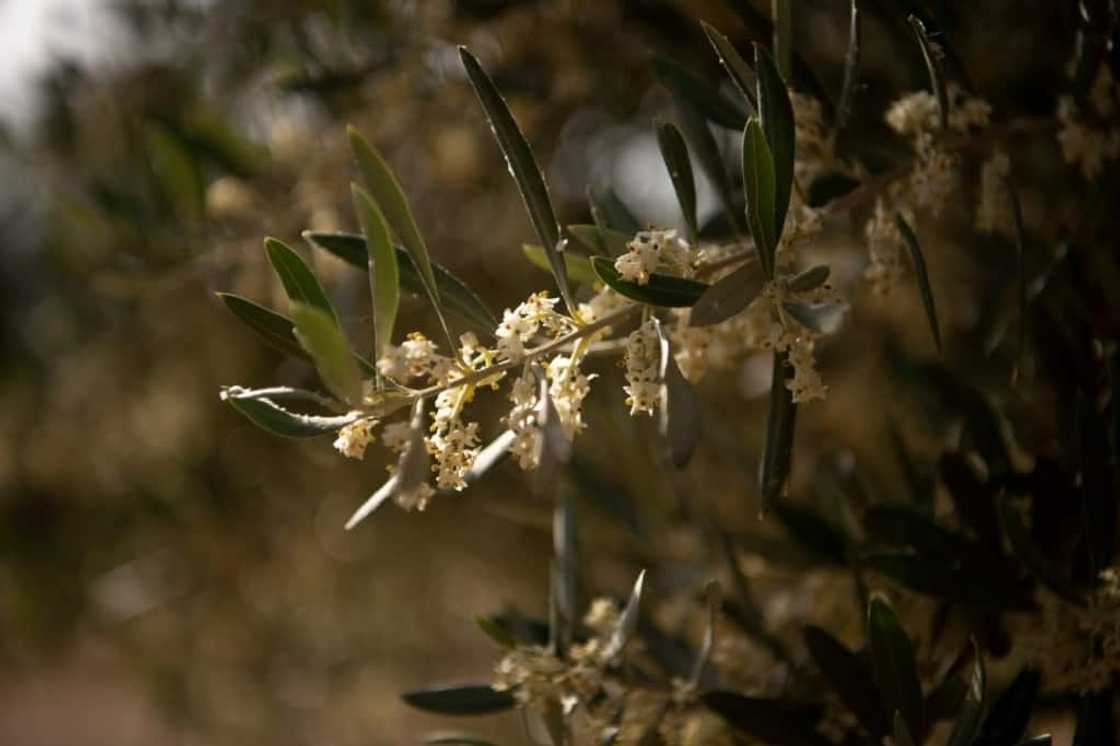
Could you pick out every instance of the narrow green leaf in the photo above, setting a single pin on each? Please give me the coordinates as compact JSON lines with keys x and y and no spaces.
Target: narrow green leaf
{"x":728,"y":296}
{"x":675,"y":154}
{"x":708,"y":101}
{"x":923,"y":574}
{"x":1020,"y":274}
{"x":384,"y":279}
{"x":627,"y":621}
{"x":275,"y":329}
{"x":300,"y":284}
{"x":523,"y":166}
{"x":933,"y":67}
{"x":609,"y":211}
{"x":759,"y":185}
{"x":893,"y":664}
{"x":1024,"y":547}
{"x":741,"y":74}
{"x":454,"y":293}
{"x":768,"y":721}
{"x":810,"y":279}
{"x":389,"y":197}
{"x":777,"y":454}
{"x":319,"y":334}
{"x":971,"y":716}
{"x":495,"y":631}
{"x":820,"y":317}
{"x":461,"y":700}
{"x":849,"y":678}
{"x":851,"y":71}
{"x":679,"y":424}
{"x":703,"y":145}
{"x":776,"y":115}
{"x":712,"y":602}
{"x":578,"y":266}
{"x":267,"y":415}
{"x":600,"y":240}
{"x":911,"y":242}
{"x":1011,"y":712}
{"x":661,"y":290}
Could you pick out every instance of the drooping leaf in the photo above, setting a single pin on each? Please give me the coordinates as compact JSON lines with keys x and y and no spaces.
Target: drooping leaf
{"x":893,"y":665}
{"x":741,"y":74}
{"x":712,"y":603}
{"x":851,"y":70}
{"x":675,"y":154}
{"x":1020,"y":274}
{"x":810,"y":279}
{"x":775,"y":113}
{"x":565,"y":576}
{"x":578,"y":266}
{"x":680,"y":407}
{"x":1010,"y":713}
{"x":728,"y":296}
{"x":384,"y":279}
{"x":627,"y":621}
{"x":601,"y":240}
{"x":523,"y":166}
{"x":454,"y":293}
{"x":461,"y":700}
{"x":769,"y":721}
{"x":320,"y":335}
{"x":971,"y":715}
{"x":759,"y":186}
{"x":708,"y":101}
{"x":267,"y":415}
{"x":300,"y":284}
{"x":933,"y":67}
{"x":661,"y":290}
{"x":820,"y":317}
{"x":849,"y":678}
{"x":911,"y":242}
{"x":777,"y":454}
{"x":275,"y":329}
{"x":389,"y":197}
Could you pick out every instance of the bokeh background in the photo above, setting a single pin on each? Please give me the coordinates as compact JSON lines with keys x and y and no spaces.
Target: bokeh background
{"x":169,"y":574}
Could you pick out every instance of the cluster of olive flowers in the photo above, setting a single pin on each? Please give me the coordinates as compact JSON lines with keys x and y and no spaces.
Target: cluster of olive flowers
{"x":1088,"y":135}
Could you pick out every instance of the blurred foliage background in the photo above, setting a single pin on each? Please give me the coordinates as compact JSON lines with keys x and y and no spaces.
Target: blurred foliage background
{"x":170,"y":574}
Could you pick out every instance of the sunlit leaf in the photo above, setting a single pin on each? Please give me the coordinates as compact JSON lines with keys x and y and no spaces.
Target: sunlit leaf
{"x":320,"y":335}
{"x":728,"y":296}
{"x":759,"y":185}
{"x":523,"y":166}
{"x":275,"y":329}
{"x":708,"y":101}
{"x":661,"y":290}
{"x":267,"y":415}
{"x":578,"y":265}
{"x":675,"y":154}
{"x":300,"y":284}
{"x":911,"y":242}
{"x":460,"y":700}
{"x":384,"y":279}
{"x":454,"y":293}
{"x":893,"y":664}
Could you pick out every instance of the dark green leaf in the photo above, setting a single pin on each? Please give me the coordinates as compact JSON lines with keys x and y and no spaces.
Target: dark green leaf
{"x":851,"y":70}
{"x":608,"y":211}
{"x":389,"y":197}
{"x":454,"y":293}
{"x":464,"y":699}
{"x":1020,"y":274}
{"x":495,"y":631}
{"x":893,"y":664}
{"x":759,"y":186}
{"x":776,"y":115}
{"x":733,"y":63}
{"x":319,"y":334}
{"x":275,"y":329}
{"x":300,"y":284}
{"x":1044,"y":740}
{"x":675,"y":154}
{"x":971,"y":716}
{"x":923,"y":277}
{"x":703,"y":97}
{"x":849,"y":678}
{"x":769,"y":721}
{"x":384,"y":278}
{"x":1008,"y":718}
{"x":661,"y":290}
{"x":902,"y":735}
{"x":267,"y":415}
{"x":601,"y":240}
{"x":680,"y":407}
{"x":933,"y":67}
{"x":1024,"y":547}
{"x":820,"y":317}
{"x":923,"y":575}
{"x":523,"y":166}
{"x":810,"y":279}
{"x":703,"y":145}
{"x":777,"y":455}
{"x":728,"y":296}
{"x":578,"y":265}
{"x":812,"y":531}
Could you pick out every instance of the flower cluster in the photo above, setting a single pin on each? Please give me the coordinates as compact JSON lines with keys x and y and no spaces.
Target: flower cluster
{"x":1086,"y":137}
{"x":643,"y":363}
{"x":653,"y":251}
{"x":993,"y":211}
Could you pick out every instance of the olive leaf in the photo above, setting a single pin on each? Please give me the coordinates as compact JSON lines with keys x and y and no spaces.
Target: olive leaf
{"x":384,"y":279}
{"x":932,"y":56}
{"x":741,"y":74}
{"x":706,"y":100}
{"x":902,"y":735}
{"x":300,"y":284}
{"x":775,"y":112}
{"x":461,"y":700}
{"x":627,"y":621}
{"x":703,"y":145}
{"x":454,"y":293}
{"x":810,"y":279}
{"x":820,"y":317}
{"x":911,"y":242}
{"x":675,"y":154}
{"x":412,"y":469}
{"x":850,"y":679}
{"x":851,"y":71}
{"x":679,"y":424}
{"x":523,"y":166}
{"x":728,"y":296}
{"x":759,"y":186}
{"x":320,"y":335}
{"x":608,"y":211}
{"x":971,"y":715}
{"x":777,"y":454}
{"x":275,"y":329}
{"x":455,"y":739}
{"x":712,"y":603}
{"x":578,"y":266}
{"x":490,"y":456}
{"x":601,"y":239}
{"x":269,"y":416}
{"x":661,"y":290}
{"x":1010,"y":713}
{"x":893,"y":664}
{"x":768,"y":721}
{"x":1024,"y":547}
